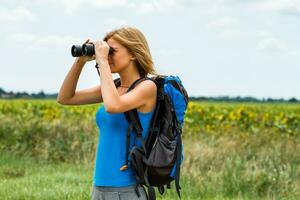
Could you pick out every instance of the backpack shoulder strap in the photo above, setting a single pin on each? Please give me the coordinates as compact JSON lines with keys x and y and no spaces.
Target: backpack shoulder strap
{"x":117,"y":82}
{"x":136,"y":82}
{"x":132,"y":115}
{"x":134,"y":123}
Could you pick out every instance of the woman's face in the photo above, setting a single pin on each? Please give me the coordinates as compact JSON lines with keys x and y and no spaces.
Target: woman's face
{"x":120,"y":58}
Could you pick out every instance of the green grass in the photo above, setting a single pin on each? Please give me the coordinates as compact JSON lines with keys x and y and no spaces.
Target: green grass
{"x":26,"y":178}
{"x":252,"y":152}
{"x":253,"y":167}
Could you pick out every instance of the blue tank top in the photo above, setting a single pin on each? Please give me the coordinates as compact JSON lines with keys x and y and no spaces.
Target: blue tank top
{"x":111,"y":150}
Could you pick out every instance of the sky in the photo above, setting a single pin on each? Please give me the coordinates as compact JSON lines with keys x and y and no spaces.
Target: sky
{"x":217,"y":47}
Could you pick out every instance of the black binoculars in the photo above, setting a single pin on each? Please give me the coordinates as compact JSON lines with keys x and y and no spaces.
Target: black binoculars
{"x":86,"y":49}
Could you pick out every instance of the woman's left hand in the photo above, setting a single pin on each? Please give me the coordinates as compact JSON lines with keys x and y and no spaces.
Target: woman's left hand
{"x":101,"y":51}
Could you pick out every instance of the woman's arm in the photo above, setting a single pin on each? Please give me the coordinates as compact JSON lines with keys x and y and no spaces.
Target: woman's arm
{"x":113,"y":102}
{"x":67,"y":94}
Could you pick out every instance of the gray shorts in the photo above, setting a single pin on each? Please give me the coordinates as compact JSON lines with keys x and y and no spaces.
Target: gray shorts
{"x":118,"y":193}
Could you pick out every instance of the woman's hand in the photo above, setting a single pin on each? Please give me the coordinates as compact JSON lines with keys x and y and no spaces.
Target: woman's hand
{"x":85,"y":59}
{"x":101,"y":51}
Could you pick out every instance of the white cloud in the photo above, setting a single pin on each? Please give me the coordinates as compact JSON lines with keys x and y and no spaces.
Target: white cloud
{"x":270,"y":44}
{"x":22,"y":37}
{"x":266,"y":41}
{"x":33,"y":42}
{"x":145,"y":7}
{"x":108,"y":4}
{"x":218,"y":7}
{"x":16,"y":15}
{"x":225,"y":26}
{"x":148,"y":7}
{"x":139,"y":7}
{"x":223,"y":22}
{"x":284,"y":6}
{"x":73,"y":5}
{"x":260,"y":34}
{"x":113,"y":23}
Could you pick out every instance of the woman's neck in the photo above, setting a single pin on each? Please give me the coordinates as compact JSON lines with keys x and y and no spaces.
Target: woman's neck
{"x":128,"y":76}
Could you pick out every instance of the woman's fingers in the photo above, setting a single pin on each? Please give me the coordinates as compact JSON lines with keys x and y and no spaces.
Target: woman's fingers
{"x":100,"y":44}
{"x":87,"y":41}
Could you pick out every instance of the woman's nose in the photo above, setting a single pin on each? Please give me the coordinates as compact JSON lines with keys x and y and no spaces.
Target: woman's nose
{"x":109,"y":59}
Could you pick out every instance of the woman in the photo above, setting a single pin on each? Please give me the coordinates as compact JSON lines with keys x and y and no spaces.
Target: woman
{"x":131,"y":59}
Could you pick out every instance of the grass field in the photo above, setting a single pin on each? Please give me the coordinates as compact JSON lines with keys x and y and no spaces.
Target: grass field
{"x":241,"y":164}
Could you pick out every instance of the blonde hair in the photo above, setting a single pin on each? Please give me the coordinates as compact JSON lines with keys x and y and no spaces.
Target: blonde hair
{"x":135,"y":42}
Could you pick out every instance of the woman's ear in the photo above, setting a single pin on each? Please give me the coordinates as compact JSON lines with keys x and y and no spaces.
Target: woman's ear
{"x":133,"y":58}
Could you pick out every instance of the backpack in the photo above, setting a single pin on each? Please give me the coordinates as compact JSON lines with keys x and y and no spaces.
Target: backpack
{"x":157,"y":162}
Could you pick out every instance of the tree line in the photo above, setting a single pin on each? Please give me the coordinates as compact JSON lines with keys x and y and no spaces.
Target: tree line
{"x":25,"y":95}
{"x":43,"y":95}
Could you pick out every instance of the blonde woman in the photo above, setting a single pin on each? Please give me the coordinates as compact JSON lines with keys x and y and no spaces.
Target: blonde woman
{"x":132,"y":60}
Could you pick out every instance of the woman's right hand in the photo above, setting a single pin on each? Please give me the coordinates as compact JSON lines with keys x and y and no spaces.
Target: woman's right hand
{"x":85,"y":59}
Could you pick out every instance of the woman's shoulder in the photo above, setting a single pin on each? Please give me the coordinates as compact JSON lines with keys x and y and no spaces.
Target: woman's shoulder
{"x":148,"y":84}
{"x":148,"y":87}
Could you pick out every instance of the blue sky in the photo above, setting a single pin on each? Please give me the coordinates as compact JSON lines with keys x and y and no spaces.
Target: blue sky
{"x":217,"y":47}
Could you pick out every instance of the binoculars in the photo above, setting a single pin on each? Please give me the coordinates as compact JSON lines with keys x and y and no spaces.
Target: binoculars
{"x":86,"y":49}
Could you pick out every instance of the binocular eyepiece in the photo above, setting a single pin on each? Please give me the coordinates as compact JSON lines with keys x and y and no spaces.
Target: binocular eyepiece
{"x":86,"y":49}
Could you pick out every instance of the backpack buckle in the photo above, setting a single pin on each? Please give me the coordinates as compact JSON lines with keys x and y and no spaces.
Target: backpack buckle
{"x":124,"y":167}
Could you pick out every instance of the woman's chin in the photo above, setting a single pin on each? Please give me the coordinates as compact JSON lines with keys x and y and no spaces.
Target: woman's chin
{"x":112,"y":69}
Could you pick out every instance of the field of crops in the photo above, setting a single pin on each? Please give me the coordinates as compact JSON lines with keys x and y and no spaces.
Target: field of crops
{"x":222,"y":118}
{"x":232,"y":150}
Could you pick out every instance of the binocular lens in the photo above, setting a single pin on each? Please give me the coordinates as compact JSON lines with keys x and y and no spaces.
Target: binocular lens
{"x":76,"y":51}
{"x":86,"y":49}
